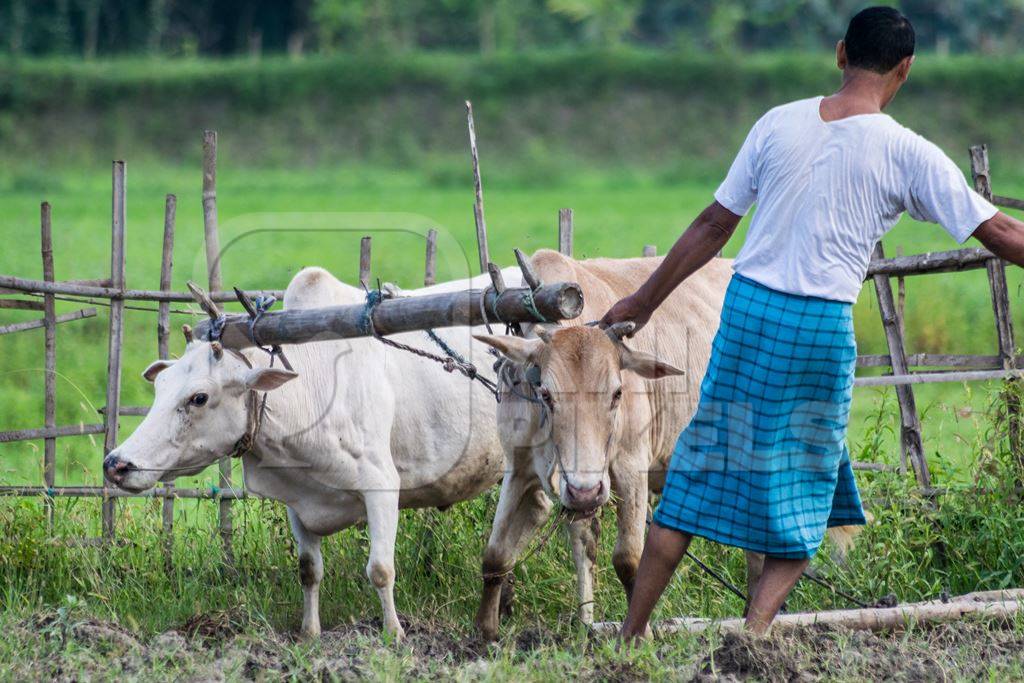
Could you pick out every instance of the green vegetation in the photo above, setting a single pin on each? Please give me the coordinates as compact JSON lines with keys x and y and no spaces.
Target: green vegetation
{"x":318,"y":152}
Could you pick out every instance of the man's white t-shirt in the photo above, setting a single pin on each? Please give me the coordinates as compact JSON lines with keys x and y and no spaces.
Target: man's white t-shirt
{"x":826,"y":192}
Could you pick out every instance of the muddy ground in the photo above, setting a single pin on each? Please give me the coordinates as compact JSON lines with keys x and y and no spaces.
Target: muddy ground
{"x":226,"y":646}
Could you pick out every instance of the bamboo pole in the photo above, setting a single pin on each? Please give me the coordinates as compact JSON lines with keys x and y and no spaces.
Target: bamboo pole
{"x":930,"y":262}
{"x":101,"y":492}
{"x":163,"y":332}
{"x":51,"y":432}
{"x":999,"y":292}
{"x":430,"y":264}
{"x":870,"y":619}
{"x":118,"y":245}
{"x":478,"y":188}
{"x":565,"y":229}
{"x":163,"y":323}
{"x":57,"y":320}
{"x":212,"y":241}
{"x":18,"y":284}
{"x":650,"y":250}
{"x":50,"y":362}
{"x":912,"y":449}
{"x":560,"y":301}
{"x":22,"y":305}
{"x":364,"y":262}
{"x":937,"y":360}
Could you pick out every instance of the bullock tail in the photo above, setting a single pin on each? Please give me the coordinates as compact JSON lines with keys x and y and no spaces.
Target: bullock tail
{"x":844,"y":537}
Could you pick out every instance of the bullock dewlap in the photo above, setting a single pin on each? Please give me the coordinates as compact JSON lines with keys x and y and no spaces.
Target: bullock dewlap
{"x":358,"y":430}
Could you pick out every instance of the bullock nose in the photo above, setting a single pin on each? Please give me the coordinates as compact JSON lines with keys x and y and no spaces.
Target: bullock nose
{"x":583,"y":499}
{"x":115,"y":469}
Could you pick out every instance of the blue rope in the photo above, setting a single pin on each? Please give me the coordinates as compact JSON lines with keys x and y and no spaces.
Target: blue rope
{"x":262,"y":304}
{"x":452,"y":353}
{"x":216,"y":328}
{"x":373,"y":299}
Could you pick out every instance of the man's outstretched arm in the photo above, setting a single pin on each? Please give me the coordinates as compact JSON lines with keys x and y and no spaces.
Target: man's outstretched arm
{"x":699,"y":244}
{"x":1004,"y":236}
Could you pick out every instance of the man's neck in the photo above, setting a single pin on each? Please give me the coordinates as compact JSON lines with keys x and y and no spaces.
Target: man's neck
{"x":862,"y":92}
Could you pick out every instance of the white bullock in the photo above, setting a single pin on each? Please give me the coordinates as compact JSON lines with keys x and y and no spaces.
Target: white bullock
{"x":358,"y":431}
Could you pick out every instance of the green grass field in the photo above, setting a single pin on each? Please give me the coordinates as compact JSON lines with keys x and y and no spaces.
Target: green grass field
{"x":273,"y":222}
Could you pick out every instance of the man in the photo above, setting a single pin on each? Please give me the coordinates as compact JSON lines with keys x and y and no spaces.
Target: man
{"x":763,"y":465}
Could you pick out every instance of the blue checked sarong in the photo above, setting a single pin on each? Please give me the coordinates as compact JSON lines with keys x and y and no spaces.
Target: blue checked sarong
{"x":764,"y":465}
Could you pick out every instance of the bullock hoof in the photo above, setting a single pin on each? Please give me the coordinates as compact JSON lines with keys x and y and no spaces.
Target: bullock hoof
{"x":309,"y":633}
{"x":396,"y":632}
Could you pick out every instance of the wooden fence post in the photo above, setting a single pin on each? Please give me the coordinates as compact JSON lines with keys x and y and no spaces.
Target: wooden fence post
{"x":565,"y":231}
{"x":430,"y":266}
{"x":911,"y":447}
{"x":650,"y":250}
{"x":1000,"y":295}
{"x":50,"y":363}
{"x":163,"y":332}
{"x":212,"y":240}
{"x":118,"y":245}
{"x":478,"y":187}
{"x":364,"y":262}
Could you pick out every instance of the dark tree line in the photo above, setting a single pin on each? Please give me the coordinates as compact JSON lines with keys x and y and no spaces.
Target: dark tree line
{"x":89,"y":28}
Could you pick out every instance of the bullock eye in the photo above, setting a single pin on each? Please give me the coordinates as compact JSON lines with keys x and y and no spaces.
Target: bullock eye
{"x":616,"y":397}
{"x":549,"y":401}
{"x":199,"y":399}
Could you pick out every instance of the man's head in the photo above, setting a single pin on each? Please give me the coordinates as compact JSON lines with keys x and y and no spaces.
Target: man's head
{"x":879,"y":41}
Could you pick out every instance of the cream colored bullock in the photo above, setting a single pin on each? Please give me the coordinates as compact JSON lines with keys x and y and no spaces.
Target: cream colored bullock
{"x":604,"y":419}
{"x":356,"y":432}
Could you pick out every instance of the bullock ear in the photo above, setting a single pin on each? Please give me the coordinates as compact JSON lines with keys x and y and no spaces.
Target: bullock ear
{"x":516,"y":349}
{"x":155,"y":368}
{"x":267,"y":379}
{"x":646,"y":365}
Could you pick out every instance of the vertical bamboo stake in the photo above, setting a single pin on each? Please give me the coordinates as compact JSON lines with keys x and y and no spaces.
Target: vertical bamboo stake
{"x":364,"y":262}
{"x":650,"y":250}
{"x":999,"y":292}
{"x":430,"y":267}
{"x":565,"y":231}
{"x":163,"y":331}
{"x":118,"y":245}
{"x":478,"y":206}
{"x":912,"y":448}
{"x":212,"y":240}
{"x":901,"y":299}
{"x":50,"y":379}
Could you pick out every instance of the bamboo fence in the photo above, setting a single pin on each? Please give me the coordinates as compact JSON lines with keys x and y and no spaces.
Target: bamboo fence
{"x":113,"y":292}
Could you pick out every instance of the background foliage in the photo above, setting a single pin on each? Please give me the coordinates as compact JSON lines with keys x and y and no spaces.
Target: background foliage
{"x":229,"y":27}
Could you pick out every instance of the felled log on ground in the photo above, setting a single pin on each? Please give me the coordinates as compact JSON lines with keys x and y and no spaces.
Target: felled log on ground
{"x":1003,"y":604}
{"x":551,"y":303}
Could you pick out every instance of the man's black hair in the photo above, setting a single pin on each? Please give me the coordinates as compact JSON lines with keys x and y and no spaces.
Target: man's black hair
{"x":878,"y":38}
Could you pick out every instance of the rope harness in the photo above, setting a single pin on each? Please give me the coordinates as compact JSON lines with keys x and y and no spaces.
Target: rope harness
{"x":452,"y":360}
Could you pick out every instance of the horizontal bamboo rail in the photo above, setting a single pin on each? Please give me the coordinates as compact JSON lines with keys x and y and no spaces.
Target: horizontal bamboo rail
{"x":212,"y":493}
{"x":50,"y":432}
{"x":68,"y":289}
{"x":934,"y":377}
{"x":561,"y":301}
{"x":935,"y":360}
{"x":930,"y":262}
{"x":34,"y":324}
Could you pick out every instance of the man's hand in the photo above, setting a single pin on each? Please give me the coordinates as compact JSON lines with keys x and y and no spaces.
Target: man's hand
{"x":628,"y":309}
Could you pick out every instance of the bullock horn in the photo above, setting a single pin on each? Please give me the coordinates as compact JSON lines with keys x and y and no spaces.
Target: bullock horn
{"x":187,"y":331}
{"x":204,"y":300}
{"x":620,"y":331}
{"x":218,"y":350}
